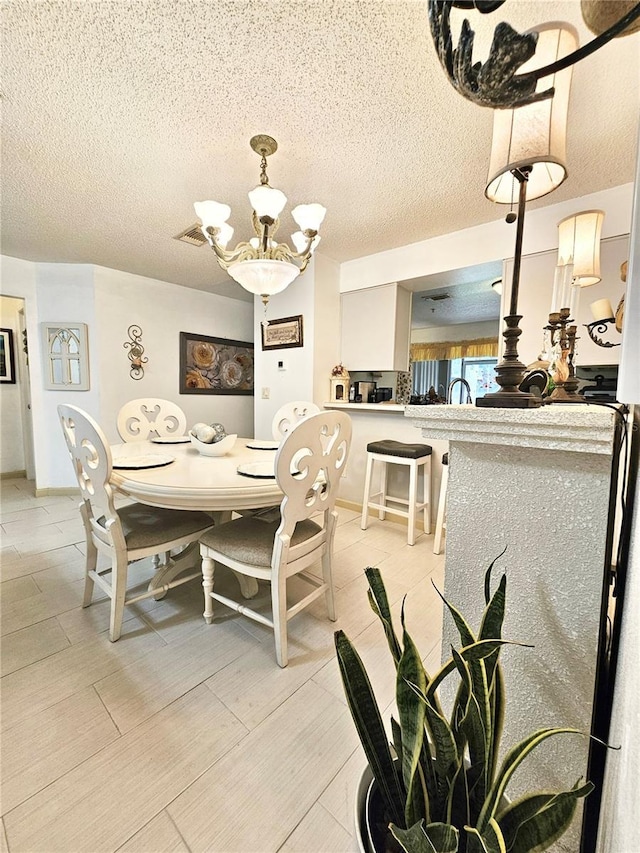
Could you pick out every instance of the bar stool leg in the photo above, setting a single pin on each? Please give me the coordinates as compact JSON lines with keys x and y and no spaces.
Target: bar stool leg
{"x":442,"y":504}
{"x":364,"y":521}
{"x":427,"y":496}
{"x":383,"y":492}
{"x":413,"y":499}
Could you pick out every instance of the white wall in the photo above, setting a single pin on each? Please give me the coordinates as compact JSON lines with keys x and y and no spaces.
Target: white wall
{"x":534,"y":301}
{"x":457,"y":332}
{"x":489,"y":242}
{"x":162,"y":311}
{"x":12,"y":458}
{"x":315,"y":295}
{"x":65,"y":294}
{"x":326,"y":342}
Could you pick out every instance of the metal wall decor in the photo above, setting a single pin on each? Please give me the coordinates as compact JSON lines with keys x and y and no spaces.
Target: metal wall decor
{"x":136,"y":352}
{"x":601,"y":327}
{"x":496,"y":83}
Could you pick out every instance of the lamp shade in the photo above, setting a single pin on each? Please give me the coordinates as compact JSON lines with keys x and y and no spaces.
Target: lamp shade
{"x":579,"y":244}
{"x":212,"y":213}
{"x":266,"y":201}
{"x":308,"y":216}
{"x":264,"y":277}
{"x":534,"y":135}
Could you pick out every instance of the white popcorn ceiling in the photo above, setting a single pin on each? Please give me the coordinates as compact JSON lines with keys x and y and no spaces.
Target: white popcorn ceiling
{"x":117,"y":116}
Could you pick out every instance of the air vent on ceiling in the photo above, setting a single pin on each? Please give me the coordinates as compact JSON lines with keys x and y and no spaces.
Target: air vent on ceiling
{"x":192,"y":235}
{"x":437,"y":298}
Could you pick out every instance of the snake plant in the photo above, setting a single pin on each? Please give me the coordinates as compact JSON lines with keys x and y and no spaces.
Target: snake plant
{"x":441,"y":782}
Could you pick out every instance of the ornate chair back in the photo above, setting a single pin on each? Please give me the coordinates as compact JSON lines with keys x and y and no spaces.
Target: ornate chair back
{"x":149,"y":417}
{"x":288,"y":416}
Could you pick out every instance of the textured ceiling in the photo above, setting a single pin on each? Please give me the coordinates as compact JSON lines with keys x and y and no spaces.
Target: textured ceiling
{"x":471,"y":297}
{"x":118,"y":115}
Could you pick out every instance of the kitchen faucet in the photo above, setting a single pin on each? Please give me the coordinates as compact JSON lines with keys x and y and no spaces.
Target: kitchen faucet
{"x":454,"y":382}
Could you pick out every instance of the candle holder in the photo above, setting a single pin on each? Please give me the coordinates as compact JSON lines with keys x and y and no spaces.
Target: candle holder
{"x":563,"y":339}
{"x":601,"y":327}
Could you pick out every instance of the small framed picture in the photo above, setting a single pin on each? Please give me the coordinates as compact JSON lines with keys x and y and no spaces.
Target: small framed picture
{"x":7,"y":357}
{"x":282,"y":334}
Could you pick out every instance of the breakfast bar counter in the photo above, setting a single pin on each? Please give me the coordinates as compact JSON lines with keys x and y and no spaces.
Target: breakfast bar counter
{"x":375,"y":422}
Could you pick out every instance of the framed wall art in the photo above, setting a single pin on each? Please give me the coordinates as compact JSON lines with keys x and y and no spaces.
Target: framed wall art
{"x":7,"y":357}
{"x":282,"y":334}
{"x":215,"y":365}
{"x":65,"y":352}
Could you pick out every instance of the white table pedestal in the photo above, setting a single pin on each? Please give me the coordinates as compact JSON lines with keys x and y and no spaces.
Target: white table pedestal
{"x":537,"y":481}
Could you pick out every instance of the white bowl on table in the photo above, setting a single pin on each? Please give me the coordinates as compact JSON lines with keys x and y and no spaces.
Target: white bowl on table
{"x":218,"y":448}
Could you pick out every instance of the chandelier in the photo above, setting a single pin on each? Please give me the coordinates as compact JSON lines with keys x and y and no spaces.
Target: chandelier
{"x":262,"y":265}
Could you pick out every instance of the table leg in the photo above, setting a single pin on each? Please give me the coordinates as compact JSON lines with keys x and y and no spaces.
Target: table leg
{"x":186,"y":560}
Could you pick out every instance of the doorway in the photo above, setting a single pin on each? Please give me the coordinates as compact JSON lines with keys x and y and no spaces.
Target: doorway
{"x":16,"y":450}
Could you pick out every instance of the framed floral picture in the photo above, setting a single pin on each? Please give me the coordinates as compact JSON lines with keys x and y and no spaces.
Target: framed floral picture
{"x":215,"y":365}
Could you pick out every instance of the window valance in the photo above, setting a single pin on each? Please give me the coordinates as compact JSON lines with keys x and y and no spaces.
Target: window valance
{"x":439,"y":350}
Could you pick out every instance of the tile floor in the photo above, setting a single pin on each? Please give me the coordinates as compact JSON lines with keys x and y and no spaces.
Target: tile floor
{"x":183,"y":736}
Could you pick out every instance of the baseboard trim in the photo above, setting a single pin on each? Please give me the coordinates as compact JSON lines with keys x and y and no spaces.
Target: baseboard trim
{"x":13,"y":475}
{"x":46,"y":493}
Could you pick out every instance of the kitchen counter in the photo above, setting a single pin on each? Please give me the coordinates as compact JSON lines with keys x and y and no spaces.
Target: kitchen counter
{"x":393,"y":408}
{"x":374,"y":422}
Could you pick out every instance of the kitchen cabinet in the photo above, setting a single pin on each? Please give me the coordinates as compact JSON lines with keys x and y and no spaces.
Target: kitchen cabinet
{"x":376,"y":328}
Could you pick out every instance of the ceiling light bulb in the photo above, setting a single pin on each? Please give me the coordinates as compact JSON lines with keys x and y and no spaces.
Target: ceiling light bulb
{"x":212,"y":213}
{"x":267,"y":202}
{"x":309,"y":216}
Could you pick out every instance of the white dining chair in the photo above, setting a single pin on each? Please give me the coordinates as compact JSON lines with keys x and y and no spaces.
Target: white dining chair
{"x":150,"y":417}
{"x":130,"y":533}
{"x":288,"y":416}
{"x":308,"y":467}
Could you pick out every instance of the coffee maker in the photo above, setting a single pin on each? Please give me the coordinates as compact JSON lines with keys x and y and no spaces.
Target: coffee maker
{"x":362,"y":392}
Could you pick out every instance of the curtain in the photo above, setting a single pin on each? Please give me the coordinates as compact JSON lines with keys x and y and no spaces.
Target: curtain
{"x":447,"y":350}
{"x":425,"y":374}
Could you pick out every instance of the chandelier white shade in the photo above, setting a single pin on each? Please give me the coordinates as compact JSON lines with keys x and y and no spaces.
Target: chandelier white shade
{"x":262,"y":265}
{"x":535,"y":134}
{"x":579,"y":244}
{"x":273,"y":276}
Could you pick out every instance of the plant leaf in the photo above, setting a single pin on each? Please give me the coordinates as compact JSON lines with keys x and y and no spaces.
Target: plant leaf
{"x":467,"y":637}
{"x":411,"y":711}
{"x":477,"y":651}
{"x":511,"y":762}
{"x":366,"y":716}
{"x":535,"y":821}
{"x":432,"y":838}
{"x":379,"y":602}
{"x":487,"y":576}
{"x":491,"y":841}
{"x":477,"y":738}
{"x":497,"y":700}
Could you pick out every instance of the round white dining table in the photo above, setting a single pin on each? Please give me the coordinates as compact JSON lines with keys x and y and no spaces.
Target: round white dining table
{"x":196,"y":482}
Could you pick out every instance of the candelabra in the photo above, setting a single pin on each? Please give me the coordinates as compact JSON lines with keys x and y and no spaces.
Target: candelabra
{"x":563,"y":341}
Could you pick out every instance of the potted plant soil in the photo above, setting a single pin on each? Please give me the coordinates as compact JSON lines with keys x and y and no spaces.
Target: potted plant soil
{"x":438,"y":787}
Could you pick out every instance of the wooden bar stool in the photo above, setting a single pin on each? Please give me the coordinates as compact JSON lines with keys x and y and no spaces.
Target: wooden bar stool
{"x":441,"y":524}
{"x":398,"y":453}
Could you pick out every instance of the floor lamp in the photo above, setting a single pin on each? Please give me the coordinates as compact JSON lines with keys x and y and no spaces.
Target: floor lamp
{"x":528,"y":154}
